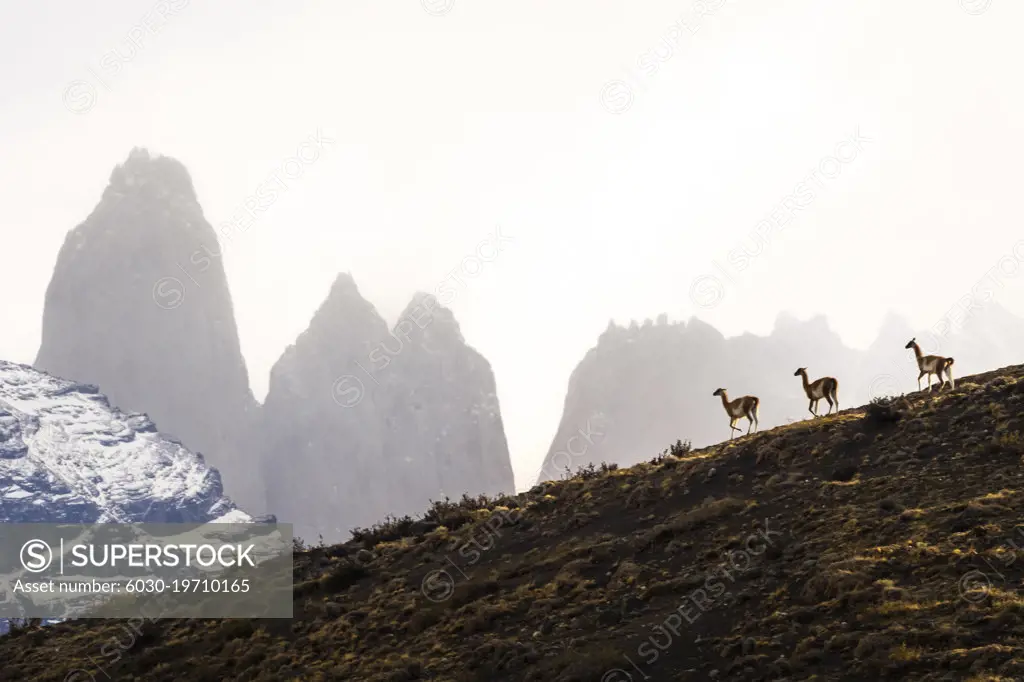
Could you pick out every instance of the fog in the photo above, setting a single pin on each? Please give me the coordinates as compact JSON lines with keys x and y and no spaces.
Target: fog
{"x":729,"y":159}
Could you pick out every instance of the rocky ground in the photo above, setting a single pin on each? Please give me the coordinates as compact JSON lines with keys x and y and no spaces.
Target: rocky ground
{"x":879,"y":543}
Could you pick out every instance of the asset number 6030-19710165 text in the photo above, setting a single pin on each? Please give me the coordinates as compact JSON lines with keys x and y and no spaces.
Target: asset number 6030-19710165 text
{"x":143,"y":585}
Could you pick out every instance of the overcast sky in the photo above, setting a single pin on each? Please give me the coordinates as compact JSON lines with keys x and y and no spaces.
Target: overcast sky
{"x":626,"y":149}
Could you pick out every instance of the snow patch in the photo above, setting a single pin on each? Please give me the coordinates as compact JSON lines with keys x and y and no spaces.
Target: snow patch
{"x":67,"y":455}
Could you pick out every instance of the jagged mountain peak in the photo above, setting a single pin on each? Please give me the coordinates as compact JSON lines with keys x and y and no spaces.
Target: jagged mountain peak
{"x":426,"y":318}
{"x":344,"y":298}
{"x":344,"y":318}
{"x":698,"y":327}
{"x":812,"y":335}
{"x":67,"y":455}
{"x":362,"y":421}
{"x":138,"y":303}
{"x":422,"y":298}
{"x":344,"y":285}
{"x":142,"y":170}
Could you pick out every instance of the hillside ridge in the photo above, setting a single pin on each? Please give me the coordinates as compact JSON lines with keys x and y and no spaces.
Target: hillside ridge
{"x":876,"y":543}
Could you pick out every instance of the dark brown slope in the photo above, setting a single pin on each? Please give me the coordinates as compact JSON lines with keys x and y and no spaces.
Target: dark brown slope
{"x":873,"y":544}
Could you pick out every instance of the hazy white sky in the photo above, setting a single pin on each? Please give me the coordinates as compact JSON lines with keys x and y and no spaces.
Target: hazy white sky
{"x":624,"y":147}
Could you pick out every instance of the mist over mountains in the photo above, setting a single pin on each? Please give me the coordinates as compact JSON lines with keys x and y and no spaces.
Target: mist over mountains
{"x":363,"y":420}
{"x":425,"y":425}
{"x":108,"y":319}
{"x":645,"y":386}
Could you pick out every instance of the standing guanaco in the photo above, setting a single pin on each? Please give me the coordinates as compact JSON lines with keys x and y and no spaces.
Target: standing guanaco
{"x":932,"y":364}
{"x":825,"y":387}
{"x":747,"y":406}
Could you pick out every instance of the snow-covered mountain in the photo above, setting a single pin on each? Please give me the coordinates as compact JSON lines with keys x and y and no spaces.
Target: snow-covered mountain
{"x":68,"y":456}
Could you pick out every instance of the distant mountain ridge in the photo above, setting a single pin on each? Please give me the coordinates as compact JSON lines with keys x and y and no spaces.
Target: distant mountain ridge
{"x":650,"y":385}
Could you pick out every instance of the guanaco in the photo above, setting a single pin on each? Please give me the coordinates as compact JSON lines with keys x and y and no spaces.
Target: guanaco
{"x":825,"y":387}
{"x":747,"y":406}
{"x":932,"y":364}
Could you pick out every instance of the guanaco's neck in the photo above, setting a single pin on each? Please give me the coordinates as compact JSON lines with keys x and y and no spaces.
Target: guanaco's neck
{"x":807,"y":384}
{"x":917,"y":351}
{"x":725,"y":400}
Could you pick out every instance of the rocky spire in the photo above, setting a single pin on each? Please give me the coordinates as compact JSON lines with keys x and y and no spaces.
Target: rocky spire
{"x":139,"y":304}
{"x":362,"y":422}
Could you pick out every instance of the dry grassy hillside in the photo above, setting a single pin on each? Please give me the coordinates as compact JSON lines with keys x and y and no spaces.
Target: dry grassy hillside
{"x":878,"y":543}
